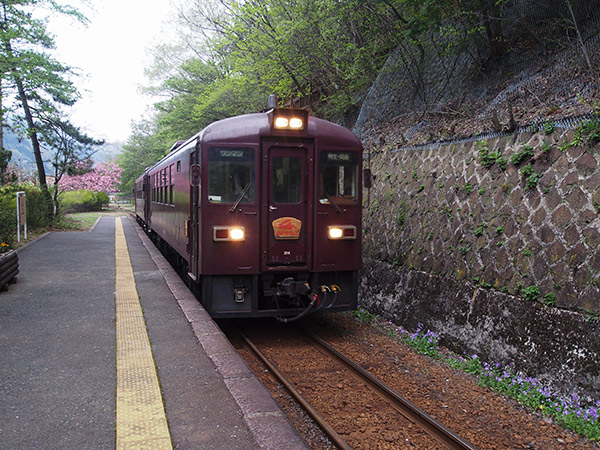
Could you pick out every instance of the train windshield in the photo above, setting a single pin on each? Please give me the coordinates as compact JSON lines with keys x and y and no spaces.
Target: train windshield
{"x":338,"y":173}
{"x":231,"y":175}
{"x":287,"y":180}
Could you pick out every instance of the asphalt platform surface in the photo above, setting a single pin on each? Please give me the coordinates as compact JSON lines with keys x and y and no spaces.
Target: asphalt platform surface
{"x":57,"y":353}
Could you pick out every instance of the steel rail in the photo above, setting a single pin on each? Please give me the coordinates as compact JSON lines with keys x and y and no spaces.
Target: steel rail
{"x":405,"y":407}
{"x":339,"y":441}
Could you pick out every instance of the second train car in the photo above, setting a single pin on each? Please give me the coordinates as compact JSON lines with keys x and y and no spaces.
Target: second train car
{"x":263,"y":213}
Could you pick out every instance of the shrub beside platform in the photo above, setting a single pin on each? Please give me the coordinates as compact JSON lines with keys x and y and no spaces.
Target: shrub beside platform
{"x":9,"y":267}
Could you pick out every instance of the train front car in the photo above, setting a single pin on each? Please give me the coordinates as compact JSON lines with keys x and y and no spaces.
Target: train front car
{"x":280,"y":216}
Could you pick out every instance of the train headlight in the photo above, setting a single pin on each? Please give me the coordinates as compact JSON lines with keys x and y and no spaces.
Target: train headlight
{"x":281,"y":122}
{"x":339,"y":232}
{"x":228,"y":233}
{"x":236,"y":234}
{"x":335,"y":232}
{"x":289,"y":123}
{"x":290,"y":119}
{"x":296,"y":123}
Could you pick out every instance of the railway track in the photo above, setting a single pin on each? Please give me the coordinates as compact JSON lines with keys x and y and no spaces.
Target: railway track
{"x":323,"y":381}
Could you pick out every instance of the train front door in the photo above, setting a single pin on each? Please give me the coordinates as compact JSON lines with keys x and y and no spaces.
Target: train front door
{"x":287,"y":205}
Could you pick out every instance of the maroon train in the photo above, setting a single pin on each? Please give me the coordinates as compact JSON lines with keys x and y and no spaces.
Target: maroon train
{"x":262,"y":212}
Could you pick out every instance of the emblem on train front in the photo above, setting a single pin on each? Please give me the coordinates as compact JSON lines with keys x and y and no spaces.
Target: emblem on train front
{"x":287,"y":228}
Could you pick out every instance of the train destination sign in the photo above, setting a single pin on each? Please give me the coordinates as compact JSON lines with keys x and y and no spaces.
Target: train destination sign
{"x":344,"y":157}
{"x":338,"y":158}
{"x":230,"y":153}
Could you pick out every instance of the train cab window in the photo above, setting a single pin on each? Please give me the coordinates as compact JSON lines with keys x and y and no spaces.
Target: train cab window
{"x":338,"y":173}
{"x":231,"y":175}
{"x":286,"y":182}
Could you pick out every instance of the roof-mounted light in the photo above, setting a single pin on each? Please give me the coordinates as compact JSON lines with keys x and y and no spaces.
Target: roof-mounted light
{"x":296,"y":123}
{"x":290,"y":119}
{"x":289,"y":123}
{"x":282,"y":122}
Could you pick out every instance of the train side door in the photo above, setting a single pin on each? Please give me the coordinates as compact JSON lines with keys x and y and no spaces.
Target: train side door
{"x":194,"y":214}
{"x":287,"y":205}
{"x":146,"y":195}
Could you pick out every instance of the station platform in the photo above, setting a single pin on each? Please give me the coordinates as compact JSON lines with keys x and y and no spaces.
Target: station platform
{"x":103,"y":346}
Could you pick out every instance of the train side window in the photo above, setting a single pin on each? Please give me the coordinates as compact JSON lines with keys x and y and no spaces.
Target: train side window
{"x":231,"y":175}
{"x":178,"y":166}
{"x":160,"y":187}
{"x":163,"y":190}
{"x":171,"y":184}
{"x":152,"y":191}
{"x":338,"y":174}
{"x":154,"y":195}
{"x":286,"y":182}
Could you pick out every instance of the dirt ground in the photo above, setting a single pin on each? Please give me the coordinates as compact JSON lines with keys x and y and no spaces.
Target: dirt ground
{"x":483,"y":418}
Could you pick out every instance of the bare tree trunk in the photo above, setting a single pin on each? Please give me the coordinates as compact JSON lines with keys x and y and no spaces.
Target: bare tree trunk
{"x":585,"y":53}
{"x":35,"y":144}
{"x":493,"y":28}
{"x":1,"y":117}
{"x":29,"y":118}
{"x":32,"y":133}
{"x":1,"y":133}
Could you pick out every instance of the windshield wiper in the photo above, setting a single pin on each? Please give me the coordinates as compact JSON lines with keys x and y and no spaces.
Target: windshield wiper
{"x":239,"y":199}
{"x":330,"y":199}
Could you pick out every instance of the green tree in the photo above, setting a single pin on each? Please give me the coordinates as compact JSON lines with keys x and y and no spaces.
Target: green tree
{"x":41,"y":83}
{"x":198,"y":93}
{"x":325,"y":52}
{"x":143,"y":148}
{"x":186,"y":88}
{"x":70,"y":148}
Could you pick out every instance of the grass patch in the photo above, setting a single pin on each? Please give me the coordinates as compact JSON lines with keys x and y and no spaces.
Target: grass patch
{"x":81,"y":221}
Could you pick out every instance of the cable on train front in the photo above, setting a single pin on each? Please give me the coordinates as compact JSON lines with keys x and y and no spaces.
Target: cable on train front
{"x":322,"y":299}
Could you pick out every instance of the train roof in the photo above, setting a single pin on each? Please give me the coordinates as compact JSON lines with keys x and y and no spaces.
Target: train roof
{"x":249,"y":127}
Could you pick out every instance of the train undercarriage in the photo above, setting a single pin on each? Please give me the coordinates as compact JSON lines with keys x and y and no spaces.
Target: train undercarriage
{"x":284,"y":295}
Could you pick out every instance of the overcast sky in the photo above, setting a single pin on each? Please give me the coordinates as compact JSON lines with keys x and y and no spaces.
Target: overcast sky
{"x":111,"y":53}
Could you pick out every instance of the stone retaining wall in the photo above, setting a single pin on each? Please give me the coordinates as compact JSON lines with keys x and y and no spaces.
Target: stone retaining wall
{"x":500,"y":257}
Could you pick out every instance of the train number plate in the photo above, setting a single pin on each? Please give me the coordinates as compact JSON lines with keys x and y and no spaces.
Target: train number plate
{"x":287,"y":228}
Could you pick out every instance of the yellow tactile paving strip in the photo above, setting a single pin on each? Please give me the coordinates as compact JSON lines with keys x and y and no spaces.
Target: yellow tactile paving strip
{"x":141,"y":421}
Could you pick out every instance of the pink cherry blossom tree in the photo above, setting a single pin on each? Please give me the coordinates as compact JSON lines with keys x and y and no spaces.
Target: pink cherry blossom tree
{"x":105,"y":177}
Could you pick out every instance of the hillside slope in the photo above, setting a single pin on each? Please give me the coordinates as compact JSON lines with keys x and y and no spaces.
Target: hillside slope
{"x":544,"y":76}
{"x":22,"y":152}
{"x":492,"y":241}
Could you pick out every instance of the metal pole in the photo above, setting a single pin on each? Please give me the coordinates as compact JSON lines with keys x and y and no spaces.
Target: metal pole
{"x":18,"y":219}
{"x":21,"y":194}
